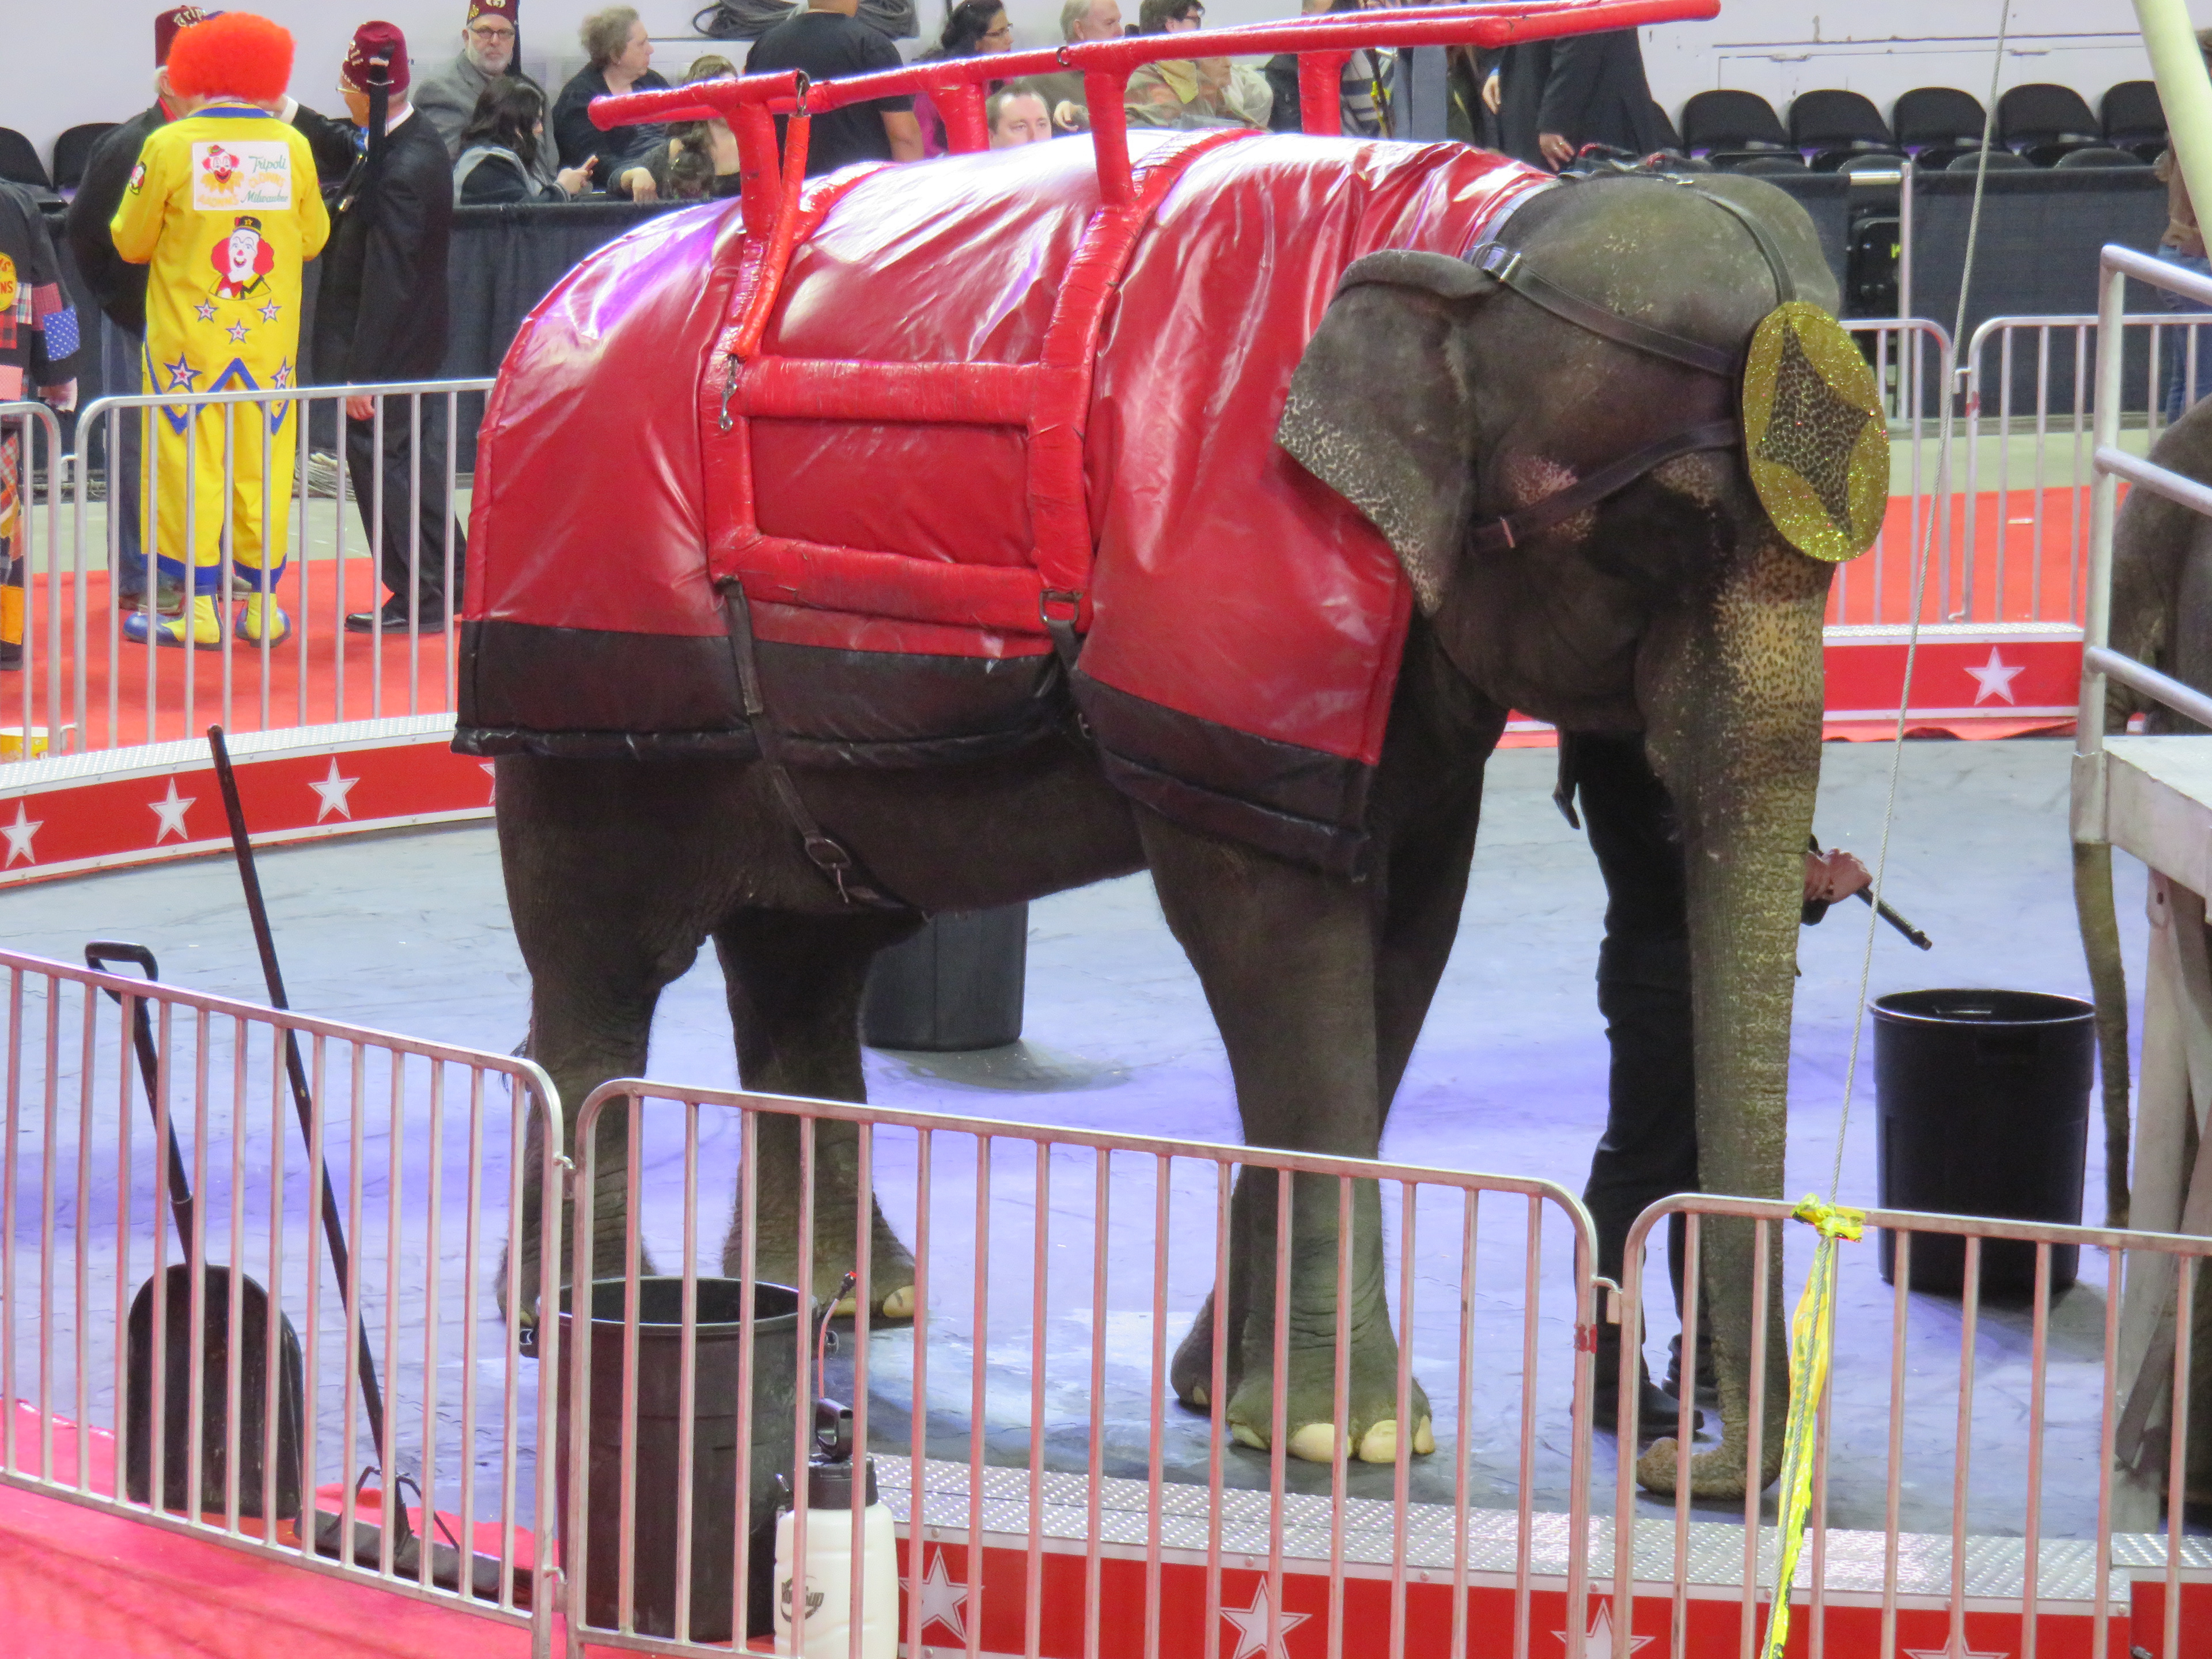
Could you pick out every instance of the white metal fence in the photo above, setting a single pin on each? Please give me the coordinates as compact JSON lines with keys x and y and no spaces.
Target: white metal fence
{"x":352,"y":1346}
{"x":165,"y":500}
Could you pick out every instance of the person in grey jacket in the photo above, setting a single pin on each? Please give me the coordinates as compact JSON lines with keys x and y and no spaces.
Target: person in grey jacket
{"x":448,"y":98}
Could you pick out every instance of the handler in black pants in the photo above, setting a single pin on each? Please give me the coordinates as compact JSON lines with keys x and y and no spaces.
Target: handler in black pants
{"x":381,"y":316}
{"x":1649,"y":1147}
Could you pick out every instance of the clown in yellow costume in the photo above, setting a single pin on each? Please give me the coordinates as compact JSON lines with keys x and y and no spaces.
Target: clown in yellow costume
{"x":223,"y":204}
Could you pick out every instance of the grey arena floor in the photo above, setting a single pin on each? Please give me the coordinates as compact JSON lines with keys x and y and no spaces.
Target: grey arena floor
{"x":408,"y":932}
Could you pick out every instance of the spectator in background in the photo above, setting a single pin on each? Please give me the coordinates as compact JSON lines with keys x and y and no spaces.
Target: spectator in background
{"x":38,"y":352}
{"x":972,"y":28}
{"x":1552,"y":97}
{"x":447,"y":98}
{"x":700,"y":159}
{"x":2183,"y":244}
{"x":502,"y":146}
{"x":1204,"y":91}
{"x":826,"y":40}
{"x":120,"y":287}
{"x":1364,"y":86}
{"x":228,"y":245}
{"x":1015,"y":115}
{"x":1080,"y":21}
{"x":622,"y":61}
{"x":381,"y":316}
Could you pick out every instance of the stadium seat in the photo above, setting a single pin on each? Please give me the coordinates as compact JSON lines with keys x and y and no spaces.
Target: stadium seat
{"x":2100,"y":155}
{"x":1731,"y":121}
{"x":2133,"y":118}
{"x":1937,"y":117}
{"x":19,"y":162}
{"x":74,"y":148}
{"x":1757,"y":160}
{"x":2000,"y":160}
{"x":1867,"y":161}
{"x":2043,"y":121}
{"x":1832,"y":125}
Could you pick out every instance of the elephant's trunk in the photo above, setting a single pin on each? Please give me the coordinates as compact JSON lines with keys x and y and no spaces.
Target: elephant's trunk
{"x":1732,"y":698}
{"x":2108,"y":983}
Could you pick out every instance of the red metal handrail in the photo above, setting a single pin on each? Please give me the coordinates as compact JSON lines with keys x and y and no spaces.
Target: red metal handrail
{"x":957,"y":82}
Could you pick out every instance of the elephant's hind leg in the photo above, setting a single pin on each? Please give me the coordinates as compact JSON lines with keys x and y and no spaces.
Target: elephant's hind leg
{"x":795,"y":983}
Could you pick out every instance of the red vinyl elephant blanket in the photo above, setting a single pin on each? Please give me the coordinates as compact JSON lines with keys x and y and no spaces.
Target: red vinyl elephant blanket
{"x":980,"y":403}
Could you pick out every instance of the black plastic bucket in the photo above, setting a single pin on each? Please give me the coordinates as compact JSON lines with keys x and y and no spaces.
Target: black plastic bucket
{"x":956,"y":984}
{"x":1984,"y":1111}
{"x":715,"y":1467}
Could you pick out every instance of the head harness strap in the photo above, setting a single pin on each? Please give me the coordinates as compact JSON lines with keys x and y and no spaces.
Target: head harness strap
{"x":1507,"y":266}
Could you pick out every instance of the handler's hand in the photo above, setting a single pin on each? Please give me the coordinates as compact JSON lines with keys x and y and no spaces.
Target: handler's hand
{"x":1489,"y":93}
{"x":1832,"y":876}
{"x":361,"y":409}
{"x":1558,"y":149}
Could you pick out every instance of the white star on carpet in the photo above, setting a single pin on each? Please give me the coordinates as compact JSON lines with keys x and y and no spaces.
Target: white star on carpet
{"x":941,"y":1599}
{"x":334,"y":790}
{"x":1599,"y":1644}
{"x":491,"y":781}
{"x":1995,"y":678}
{"x":19,"y":836}
{"x":169,"y":811}
{"x":1252,"y":1626}
{"x":1954,"y":1650}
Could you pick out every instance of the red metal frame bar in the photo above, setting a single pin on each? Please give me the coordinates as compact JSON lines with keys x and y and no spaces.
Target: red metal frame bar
{"x":956,"y":84}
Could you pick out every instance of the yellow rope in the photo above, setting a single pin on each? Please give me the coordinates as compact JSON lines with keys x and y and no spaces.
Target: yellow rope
{"x":1812,"y":1336}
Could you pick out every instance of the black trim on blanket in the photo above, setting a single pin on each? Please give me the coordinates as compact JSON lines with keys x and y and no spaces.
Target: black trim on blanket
{"x":525,"y":678}
{"x":1299,"y":804}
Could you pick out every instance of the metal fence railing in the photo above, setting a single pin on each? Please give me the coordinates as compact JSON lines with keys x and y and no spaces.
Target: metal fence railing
{"x":203,"y":1331}
{"x":1053,"y":1495}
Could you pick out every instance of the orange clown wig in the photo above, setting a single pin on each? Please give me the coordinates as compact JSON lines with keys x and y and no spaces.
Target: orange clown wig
{"x":235,"y":52}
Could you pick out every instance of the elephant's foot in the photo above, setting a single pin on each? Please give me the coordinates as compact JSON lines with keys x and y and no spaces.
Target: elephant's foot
{"x":1191,"y":1372}
{"x":891,"y":1268}
{"x":1311,"y":1432}
{"x":1716,"y":1474}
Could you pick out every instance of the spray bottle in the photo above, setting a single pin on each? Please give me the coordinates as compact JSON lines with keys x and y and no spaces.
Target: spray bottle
{"x":829,"y":1480}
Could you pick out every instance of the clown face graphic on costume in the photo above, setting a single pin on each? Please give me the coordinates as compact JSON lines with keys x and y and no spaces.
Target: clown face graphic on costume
{"x":242,"y":260}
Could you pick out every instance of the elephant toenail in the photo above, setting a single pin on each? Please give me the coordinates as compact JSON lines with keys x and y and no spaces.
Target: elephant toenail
{"x":1317,"y":1443}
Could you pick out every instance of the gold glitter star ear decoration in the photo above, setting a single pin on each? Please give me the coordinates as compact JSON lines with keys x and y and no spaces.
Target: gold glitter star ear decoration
{"x":1814,"y":434}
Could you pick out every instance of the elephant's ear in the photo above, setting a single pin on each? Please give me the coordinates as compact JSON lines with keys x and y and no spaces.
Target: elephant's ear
{"x":1381,"y":410}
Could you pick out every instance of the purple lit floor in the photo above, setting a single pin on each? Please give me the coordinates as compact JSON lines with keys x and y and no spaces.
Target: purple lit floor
{"x":410,"y":934}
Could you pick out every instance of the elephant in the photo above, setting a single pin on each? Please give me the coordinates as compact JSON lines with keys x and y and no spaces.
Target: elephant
{"x":1657,"y":597}
{"x":2160,"y":615}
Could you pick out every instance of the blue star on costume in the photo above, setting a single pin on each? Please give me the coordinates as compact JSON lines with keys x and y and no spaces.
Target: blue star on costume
{"x":269,"y":311}
{"x":205,"y":311}
{"x":237,"y":331}
{"x":183,"y":377}
{"x":281,"y":378}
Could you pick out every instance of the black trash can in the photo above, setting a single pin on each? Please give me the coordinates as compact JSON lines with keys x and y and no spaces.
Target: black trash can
{"x":1984,"y":1100}
{"x":956,"y":984}
{"x":715,"y":1469}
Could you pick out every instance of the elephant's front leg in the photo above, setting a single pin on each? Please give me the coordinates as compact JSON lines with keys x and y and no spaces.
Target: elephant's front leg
{"x":1288,"y":958}
{"x":795,"y":984}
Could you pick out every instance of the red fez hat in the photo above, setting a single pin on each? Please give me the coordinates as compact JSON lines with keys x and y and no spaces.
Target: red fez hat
{"x":510,"y":9}
{"x":235,"y":52}
{"x":375,"y":44}
{"x":167,"y":23}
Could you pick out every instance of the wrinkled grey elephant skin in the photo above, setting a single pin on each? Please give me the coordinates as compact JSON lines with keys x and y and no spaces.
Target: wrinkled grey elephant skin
{"x":1434,"y":400}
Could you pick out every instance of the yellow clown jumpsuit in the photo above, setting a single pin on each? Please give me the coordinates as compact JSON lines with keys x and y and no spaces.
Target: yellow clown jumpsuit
{"x":224,"y":205}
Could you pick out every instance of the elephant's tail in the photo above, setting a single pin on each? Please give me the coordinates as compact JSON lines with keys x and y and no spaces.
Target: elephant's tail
{"x":2100,"y":945}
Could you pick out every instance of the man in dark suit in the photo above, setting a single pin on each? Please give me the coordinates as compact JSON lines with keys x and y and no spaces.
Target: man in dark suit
{"x":1555,"y":96}
{"x":120,"y":287}
{"x":381,"y":316}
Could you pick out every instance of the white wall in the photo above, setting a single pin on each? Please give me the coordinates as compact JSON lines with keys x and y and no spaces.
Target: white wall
{"x":66,"y":61}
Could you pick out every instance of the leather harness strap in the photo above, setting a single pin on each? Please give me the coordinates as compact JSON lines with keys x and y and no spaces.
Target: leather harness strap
{"x":1556,"y":509}
{"x":1507,"y":266}
{"x":824,"y":850}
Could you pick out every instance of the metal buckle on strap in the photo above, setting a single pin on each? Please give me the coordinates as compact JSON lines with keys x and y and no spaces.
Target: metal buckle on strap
{"x":1069,"y":596}
{"x":1496,"y":260}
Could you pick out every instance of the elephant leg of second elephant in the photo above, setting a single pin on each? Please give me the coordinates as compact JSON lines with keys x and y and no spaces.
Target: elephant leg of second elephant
{"x":795,"y":984}
{"x":1286,"y":956}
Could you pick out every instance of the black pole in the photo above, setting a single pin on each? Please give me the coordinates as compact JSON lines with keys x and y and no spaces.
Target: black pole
{"x":97,"y":956}
{"x":333,"y":1228}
